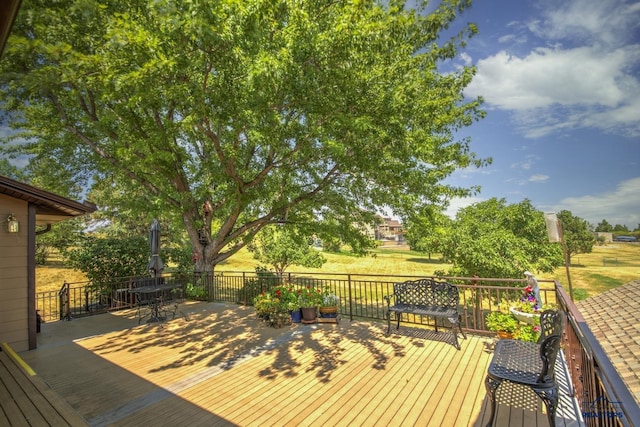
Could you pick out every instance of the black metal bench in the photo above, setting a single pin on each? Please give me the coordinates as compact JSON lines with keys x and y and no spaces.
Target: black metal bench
{"x":426,"y":297}
{"x":529,"y":364}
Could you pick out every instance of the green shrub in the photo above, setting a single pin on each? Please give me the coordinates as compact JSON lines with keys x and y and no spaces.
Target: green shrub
{"x":264,"y":282}
{"x":498,"y":321}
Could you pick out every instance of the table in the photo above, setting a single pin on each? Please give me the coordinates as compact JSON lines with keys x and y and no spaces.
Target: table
{"x":153,"y":299}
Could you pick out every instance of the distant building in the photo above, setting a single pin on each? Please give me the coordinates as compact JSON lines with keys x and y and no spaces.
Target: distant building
{"x":388,"y":229}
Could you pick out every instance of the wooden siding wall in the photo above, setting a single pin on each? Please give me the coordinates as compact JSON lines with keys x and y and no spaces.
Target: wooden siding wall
{"x":14,"y":307}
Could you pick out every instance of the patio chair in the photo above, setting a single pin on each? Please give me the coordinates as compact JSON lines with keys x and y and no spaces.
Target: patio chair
{"x":529,"y":364}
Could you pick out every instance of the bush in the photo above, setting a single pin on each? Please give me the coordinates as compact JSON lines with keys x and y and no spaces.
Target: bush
{"x":265,"y":281}
{"x":103,"y":260}
{"x":498,"y":321}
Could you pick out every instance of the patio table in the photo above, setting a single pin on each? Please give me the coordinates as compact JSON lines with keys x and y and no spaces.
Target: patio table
{"x":153,"y":298}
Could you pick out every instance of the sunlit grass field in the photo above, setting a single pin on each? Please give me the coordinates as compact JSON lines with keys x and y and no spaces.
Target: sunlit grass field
{"x":605,"y":268}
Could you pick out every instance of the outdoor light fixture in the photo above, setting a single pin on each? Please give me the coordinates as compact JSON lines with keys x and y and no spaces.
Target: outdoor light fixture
{"x":13,"y":226}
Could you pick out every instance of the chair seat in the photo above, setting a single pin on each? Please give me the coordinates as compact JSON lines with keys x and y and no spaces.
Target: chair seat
{"x":518,"y":362}
{"x":425,"y":310}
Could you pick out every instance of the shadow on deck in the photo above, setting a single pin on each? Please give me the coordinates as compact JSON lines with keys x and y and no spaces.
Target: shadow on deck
{"x":223,"y":366}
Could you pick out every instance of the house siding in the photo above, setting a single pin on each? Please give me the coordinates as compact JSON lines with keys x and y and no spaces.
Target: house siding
{"x":14,"y":324}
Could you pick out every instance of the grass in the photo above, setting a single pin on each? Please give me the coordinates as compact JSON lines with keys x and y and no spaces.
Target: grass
{"x":605,"y":268}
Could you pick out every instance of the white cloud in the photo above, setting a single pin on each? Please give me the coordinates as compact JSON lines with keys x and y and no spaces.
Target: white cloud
{"x":621,"y":206}
{"x":607,"y":22}
{"x":553,"y":76}
{"x":458,"y":203}
{"x":538,"y":178}
{"x":582,"y":74}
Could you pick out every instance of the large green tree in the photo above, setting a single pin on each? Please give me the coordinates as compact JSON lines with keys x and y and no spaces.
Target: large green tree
{"x":578,"y":237}
{"x":494,"y":239}
{"x":303,"y":110}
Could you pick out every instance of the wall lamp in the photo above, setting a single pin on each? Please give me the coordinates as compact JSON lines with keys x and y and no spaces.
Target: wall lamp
{"x":13,"y":226}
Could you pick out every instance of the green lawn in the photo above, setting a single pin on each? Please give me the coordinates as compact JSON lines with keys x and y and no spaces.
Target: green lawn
{"x":605,"y":268}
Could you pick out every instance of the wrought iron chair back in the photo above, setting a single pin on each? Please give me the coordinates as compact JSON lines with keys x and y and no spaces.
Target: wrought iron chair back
{"x":551,"y":328}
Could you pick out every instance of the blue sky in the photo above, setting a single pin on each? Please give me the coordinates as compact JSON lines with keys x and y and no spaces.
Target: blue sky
{"x":561,"y":83}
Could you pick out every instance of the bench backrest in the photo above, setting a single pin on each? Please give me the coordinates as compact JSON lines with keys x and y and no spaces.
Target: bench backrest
{"x":426,"y":292}
{"x":551,"y":330}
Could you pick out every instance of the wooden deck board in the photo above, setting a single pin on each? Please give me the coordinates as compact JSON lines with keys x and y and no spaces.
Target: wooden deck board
{"x":388,"y":397}
{"x":224,"y":367}
{"x":26,"y":400}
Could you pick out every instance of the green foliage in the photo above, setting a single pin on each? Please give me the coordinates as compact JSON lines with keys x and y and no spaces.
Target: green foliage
{"x":264,"y":282}
{"x":282,"y":247}
{"x":604,"y":226}
{"x":60,"y":238}
{"x":493,"y":239}
{"x":103,"y":260}
{"x":196,"y":291}
{"x":530,"y":333}
{"x":428,"y":233}
{"x":275,"y":305}
{"x":309,"y":296}
{"x":577,"y":236}
{"x":329,"y":299}
{"x":498,"y":321}
{"x":306,"y":110}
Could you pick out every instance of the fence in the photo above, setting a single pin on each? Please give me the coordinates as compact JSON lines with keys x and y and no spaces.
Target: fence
{"x":361,"y":295}
{"x":605,"y":399}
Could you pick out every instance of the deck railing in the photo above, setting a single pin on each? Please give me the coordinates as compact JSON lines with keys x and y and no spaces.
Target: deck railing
{"x":603,"y":397}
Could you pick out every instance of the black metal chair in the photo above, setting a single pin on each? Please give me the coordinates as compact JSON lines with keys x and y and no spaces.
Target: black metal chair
{"x":529,"y":364}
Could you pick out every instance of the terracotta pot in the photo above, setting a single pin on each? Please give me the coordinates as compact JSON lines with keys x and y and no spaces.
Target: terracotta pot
{"x":504,"y":334}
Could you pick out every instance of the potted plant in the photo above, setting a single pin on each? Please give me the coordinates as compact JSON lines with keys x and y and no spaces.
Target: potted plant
{"x":329,"y":304}
{"x":310,"y":299}
{"x":529,"y":307}
{"x":502,"y":323}
{"x":273,"y":306}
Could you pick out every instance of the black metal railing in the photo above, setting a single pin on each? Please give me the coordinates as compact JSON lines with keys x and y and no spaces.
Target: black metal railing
{"x":604,"y":398}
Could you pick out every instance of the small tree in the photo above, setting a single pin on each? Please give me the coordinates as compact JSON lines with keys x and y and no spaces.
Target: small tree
{"x":428,"y":234}
{"x":282,"y":247}
{"x":577,"y":236}
{"x":604,"y":226}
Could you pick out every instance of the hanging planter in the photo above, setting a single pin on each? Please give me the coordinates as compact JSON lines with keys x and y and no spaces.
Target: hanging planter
{"x":528,"y":318}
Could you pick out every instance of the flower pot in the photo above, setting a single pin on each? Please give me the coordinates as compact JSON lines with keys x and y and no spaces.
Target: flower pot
{"x":329,"y":312}
{"x":296,"y":316}
{"x":309,"y":314}
{"x":505,"y":334}
{"x":528,"y":318}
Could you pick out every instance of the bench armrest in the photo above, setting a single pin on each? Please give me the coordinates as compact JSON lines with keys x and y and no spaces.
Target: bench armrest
{"x":388,"y":298}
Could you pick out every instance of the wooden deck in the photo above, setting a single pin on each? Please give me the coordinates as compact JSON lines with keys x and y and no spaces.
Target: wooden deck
{"x":25,"y":400}
{"x":224,"y":367}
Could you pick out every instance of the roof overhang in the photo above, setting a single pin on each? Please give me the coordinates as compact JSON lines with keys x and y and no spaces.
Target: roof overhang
{"x":8,"y":13}
{"x":50,"y":208}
